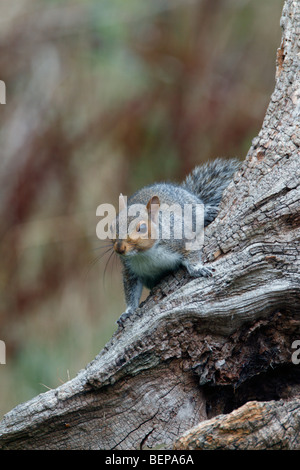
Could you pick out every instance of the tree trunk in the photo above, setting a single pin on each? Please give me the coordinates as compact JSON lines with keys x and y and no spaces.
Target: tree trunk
{"x":200,"y":348}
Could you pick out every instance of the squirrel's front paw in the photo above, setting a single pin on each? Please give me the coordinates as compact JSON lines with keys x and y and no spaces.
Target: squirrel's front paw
{"x":124,"y":316}
{"x":200,"y":271}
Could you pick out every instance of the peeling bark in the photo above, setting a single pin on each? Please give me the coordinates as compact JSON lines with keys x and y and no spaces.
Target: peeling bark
{"x":198,"y":348}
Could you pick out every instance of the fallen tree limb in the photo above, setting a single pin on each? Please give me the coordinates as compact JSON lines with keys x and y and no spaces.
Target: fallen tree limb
{"x":271,"y":425}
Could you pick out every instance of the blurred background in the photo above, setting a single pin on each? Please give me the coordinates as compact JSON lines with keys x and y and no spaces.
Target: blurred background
{"x":103,"y":97}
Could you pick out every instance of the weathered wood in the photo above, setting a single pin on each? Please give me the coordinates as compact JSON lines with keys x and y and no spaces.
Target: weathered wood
{"x":272,"y":425}
{"x":200,"y":347}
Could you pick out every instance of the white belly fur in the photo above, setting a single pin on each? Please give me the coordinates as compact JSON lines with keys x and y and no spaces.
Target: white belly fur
{"x":153,"y":262}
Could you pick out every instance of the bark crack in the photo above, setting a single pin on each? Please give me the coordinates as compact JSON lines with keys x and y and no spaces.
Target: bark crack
{"x":151,"y":418}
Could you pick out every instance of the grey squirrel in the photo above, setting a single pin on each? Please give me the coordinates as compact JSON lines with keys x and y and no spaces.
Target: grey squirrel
{"x":146,"y":253}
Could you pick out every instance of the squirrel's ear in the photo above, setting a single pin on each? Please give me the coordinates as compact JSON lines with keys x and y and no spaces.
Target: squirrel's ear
{"x":153,"y":207}
{"x":122,"y":202}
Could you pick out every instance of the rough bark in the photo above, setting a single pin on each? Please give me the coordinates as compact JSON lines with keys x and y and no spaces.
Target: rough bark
{"x":271,"y":425}
{"x":198,"y":348}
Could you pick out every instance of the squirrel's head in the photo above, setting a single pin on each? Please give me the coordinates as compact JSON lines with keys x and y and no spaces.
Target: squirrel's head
{"x":134,"y":234}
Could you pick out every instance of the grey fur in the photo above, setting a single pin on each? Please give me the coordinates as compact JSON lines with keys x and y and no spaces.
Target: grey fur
{"x":208,"y":181}
{"x":205,"y":185}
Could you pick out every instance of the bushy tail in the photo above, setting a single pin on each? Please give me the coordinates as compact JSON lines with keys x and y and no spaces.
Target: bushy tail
{"x":208,"y":181}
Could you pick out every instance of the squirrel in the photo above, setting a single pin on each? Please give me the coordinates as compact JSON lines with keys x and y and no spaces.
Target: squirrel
{"x":148,"y":251}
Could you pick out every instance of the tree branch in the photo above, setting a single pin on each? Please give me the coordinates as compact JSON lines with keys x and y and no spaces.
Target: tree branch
{"x":271,"y":425}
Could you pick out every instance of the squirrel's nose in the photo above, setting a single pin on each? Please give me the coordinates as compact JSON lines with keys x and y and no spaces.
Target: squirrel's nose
{"x":120,"y":248}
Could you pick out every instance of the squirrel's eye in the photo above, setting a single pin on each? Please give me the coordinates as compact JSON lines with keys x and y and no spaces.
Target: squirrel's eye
{"x":142,"y":228}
